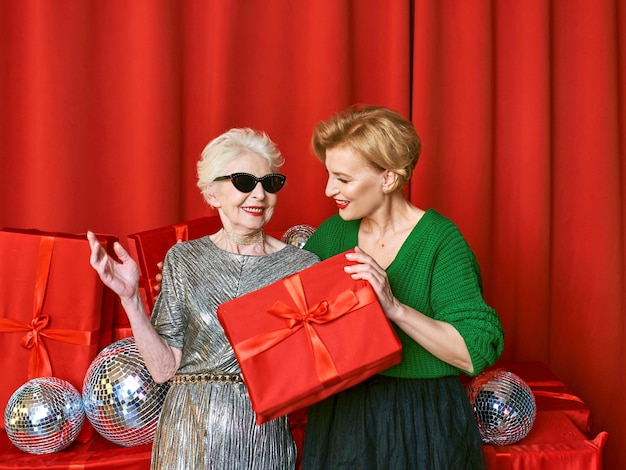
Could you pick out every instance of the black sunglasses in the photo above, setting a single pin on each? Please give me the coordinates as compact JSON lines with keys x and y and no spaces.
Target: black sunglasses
{"x":245,"y":182}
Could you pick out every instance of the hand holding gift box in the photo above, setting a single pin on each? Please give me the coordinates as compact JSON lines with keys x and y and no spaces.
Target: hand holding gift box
{"x":308,"y":336}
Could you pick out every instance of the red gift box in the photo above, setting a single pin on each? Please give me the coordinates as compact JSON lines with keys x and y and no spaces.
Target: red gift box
{"x":149,"y":248}
{"x":308,"y":336}
{"x":551,"y":394}
{"x":553,"y":442}
{"x":51,"y":309}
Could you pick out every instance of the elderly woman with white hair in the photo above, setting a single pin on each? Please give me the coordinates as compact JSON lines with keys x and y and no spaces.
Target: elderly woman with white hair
{"x":207,"y":420}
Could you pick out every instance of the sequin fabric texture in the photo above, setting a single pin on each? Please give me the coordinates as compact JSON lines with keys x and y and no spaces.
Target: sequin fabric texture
{"x":212,"y":425}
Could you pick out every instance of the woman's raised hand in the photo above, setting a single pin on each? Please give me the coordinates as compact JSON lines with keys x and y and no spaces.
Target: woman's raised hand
{"x":122,"y":277}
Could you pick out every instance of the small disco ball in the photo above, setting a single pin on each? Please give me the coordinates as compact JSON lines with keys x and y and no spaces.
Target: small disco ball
{"x":121,"y":400}
{"x":504,"y":406}
{"x":298,"y":235}
{"x":44,"y":415}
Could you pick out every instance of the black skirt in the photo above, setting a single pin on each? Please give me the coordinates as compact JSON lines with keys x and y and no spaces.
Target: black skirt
{"x":393,"y":423}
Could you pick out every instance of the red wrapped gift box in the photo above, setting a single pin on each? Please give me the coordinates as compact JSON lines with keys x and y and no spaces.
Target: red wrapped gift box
{"x":553,"y":442}
{"x":550,"y":393}
{"x":149,"y":248}
{"x":307,"y":337}
{"x":51,"y":309}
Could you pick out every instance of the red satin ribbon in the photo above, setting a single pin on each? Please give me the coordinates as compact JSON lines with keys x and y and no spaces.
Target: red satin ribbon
{"x":562,"y":396}
{"x":552,"y":383}
{"x":304,"y":317}
{"x":39,"y":363}
{"x":182,"y":232}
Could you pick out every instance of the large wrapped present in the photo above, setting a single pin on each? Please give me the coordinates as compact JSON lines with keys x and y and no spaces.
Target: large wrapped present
{"x":51,"y":309}
{"x":308,"y":336}
{"x":148,"y":248}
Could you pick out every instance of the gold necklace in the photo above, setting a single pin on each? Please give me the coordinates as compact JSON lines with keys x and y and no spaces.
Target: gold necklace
{"x":255,"y":238}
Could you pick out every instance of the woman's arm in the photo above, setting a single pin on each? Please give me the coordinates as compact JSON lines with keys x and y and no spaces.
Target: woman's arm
{"x":439,"y":338}
{"x":162,"y":360}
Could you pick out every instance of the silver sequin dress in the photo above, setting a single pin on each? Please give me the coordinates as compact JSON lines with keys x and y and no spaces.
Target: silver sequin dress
{"x":212,"y":425}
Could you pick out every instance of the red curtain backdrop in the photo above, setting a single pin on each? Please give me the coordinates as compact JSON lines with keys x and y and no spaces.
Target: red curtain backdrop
{"x":105,"y":106}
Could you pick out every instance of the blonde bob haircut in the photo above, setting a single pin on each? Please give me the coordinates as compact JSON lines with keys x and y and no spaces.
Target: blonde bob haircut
{"x":381,"y":136}
{"x":228,"y":147}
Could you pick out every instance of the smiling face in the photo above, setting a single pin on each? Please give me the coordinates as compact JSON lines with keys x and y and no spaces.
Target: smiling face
{"x":356,"y":187}
{"x":243,"y":213}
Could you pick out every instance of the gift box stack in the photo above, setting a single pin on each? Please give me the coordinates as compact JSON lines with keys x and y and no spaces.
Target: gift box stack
{"x":55,"y":317}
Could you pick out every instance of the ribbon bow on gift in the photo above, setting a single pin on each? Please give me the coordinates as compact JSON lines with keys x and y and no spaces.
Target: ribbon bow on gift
{"x":305,"y":317}
{"x":39,"y":363}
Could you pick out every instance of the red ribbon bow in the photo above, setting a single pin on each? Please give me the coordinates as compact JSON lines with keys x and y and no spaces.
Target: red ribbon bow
{"x":39,"y":363}
{"x":305,"y":317}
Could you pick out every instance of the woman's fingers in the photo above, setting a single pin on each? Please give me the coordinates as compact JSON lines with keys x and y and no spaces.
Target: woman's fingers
{"x":98,"y":254}
{"x":121,"y":253}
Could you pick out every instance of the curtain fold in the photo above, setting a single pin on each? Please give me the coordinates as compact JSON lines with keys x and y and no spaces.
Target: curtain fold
{"x":523,"y":189}
{"x":282,"y":70}
{"x":521,"y":110}
{"x":588,"y":211}
{"x":90,"y":115}
{"x":106,"y":105}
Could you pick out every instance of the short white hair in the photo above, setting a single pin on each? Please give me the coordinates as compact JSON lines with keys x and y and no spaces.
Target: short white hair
{"x":227,"y":147}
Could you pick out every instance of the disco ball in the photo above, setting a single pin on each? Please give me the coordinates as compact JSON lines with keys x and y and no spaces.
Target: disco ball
{"x":44,"y":415}
{"x":121,"y":400}
{"x":298,"y":235}
{"x":504,"y":406}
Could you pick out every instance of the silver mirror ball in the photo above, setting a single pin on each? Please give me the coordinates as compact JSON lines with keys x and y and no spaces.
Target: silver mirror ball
{"x":121,"y":400}
{"x":44,"y":415}
{"x":504,"y":406}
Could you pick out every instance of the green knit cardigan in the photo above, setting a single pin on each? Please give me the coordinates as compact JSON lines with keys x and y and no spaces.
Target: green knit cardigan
{"x":436,"y":273}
